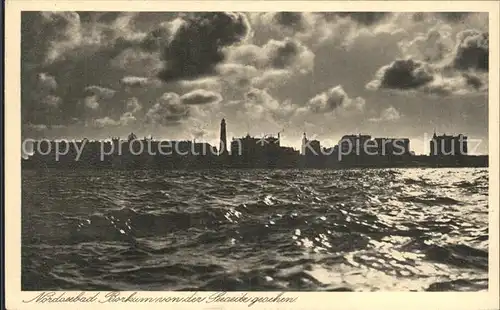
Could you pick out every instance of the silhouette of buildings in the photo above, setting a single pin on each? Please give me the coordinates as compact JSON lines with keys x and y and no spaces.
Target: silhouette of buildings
{"x":392,"y":146}
{"x":312,"y":154}
{"x":353,"y":144}
{"x":445,"y":145}
{"x":261,"y":152}
{"x":446,"y":150}
{"x":250,"y":152}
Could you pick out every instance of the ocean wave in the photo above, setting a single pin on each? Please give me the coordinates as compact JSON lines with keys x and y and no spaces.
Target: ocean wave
{"x":349,"y":230}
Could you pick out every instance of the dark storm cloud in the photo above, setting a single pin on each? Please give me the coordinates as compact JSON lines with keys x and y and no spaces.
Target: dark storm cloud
{"x":201,"y":96}
{"x":473,"y":80}
{"x":284,"y":52}
{"x":74,"y":76}
{"x":46,"y":35}
{"x":196,"y":47}
{"x":450,"y":67}
{"x":362,"y":18}
{"x":472,"y":51}
{"x":41,"y":103}
{"x":412,"y":75}
{"x":404,"y":74}
{"x":73,"y":50}
{"x":418,"y":17}
{"x":156,"y":39}
{"x":292,"y":20}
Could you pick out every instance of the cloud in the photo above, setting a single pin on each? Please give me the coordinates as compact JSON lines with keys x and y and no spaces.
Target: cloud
{"x":43,"y":93}
{"x":288,"y":54}
{"x":47,"y":36}
{"x":160,"y":37}
{"x":144,"y":56}
{"x":472,"y":51}
{"x":362,"y":18}
{"x":266,"y":66}
{"x":271,"y":78}
{"x":268,"y":75}
{"x":99,"y":92}
{"x":93,"y":95}
{"x":196,"y":47}
{"x":237,"y":75}
{"x":293,"y":20}
{"x":457,"y":84}
{"x":36,"y":127}
{"x":105,"y":122}
{"x":257,"y":106}
{"x":435,"y":65}
{"x":47,"y":82}
{"x":262,"y":98}
{"x":448,"y":17}
{"x":333,"y":99}
{"x":387,"y":115}
{"x":306,"y":27}
{"x":213,"y":83}
{"x":68,"y":51}
{"x":198,"y":133}
{"x":127,"y":118}
{"x":434,"y":46}
{"x":168,"y":111}
{"x":137,"y":61}
{"x":403,"y":74}
{"x":201,"y":96}
{"x":315,"y":29}
{"x":133,"y":105}
{"x":454,"y":17}
{"x":138,"y":81}
{"x":91,"y":102}
{"x":51,"y":101}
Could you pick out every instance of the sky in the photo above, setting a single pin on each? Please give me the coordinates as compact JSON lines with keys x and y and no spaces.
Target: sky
{"x":170,"y":75}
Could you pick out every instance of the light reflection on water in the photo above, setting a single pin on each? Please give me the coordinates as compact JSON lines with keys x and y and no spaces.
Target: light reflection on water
{"x":363,"y":230}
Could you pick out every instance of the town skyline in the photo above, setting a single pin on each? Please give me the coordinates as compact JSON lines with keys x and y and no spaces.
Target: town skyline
{"x":250,"y":152}
{"x":422,"y":149}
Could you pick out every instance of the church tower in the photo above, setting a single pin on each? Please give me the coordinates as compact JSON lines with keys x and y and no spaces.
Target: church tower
{"x":223,"y":139}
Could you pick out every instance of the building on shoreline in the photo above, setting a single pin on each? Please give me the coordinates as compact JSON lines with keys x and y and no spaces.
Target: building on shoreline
{"x":354,"y":150}
{"x":448,"y":145}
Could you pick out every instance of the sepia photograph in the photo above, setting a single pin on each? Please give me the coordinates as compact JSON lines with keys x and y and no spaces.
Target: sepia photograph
{"x":255,"y":151}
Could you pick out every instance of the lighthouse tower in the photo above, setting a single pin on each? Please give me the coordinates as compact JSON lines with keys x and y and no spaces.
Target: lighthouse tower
{"x":304,"y":144}
{"x":223,"y":139}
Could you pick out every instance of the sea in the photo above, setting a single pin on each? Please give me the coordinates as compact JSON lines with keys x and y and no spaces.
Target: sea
{"x":255,"y":230}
